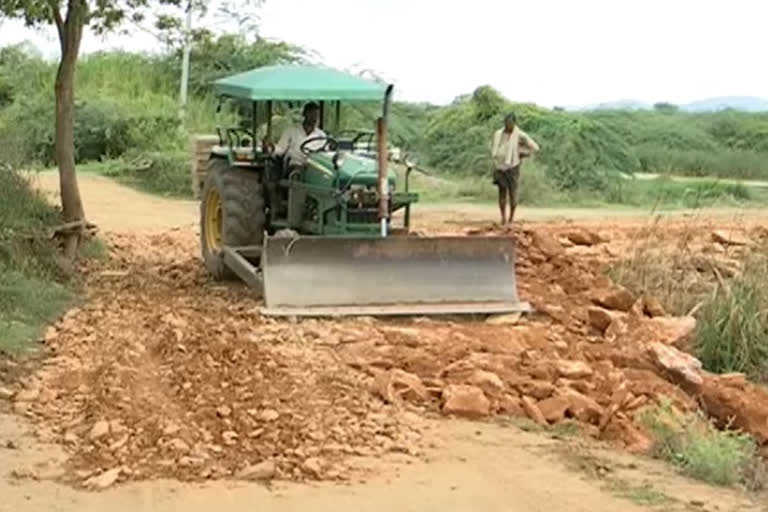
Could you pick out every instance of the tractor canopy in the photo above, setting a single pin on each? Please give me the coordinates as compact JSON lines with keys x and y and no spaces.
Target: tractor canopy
{"x":299,"y":83}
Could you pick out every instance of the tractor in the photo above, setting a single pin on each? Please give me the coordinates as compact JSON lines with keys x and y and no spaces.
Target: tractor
{"x":323,"y":240}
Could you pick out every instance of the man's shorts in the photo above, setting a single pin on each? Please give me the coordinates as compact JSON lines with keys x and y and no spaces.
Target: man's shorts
{"x":507,"y":179}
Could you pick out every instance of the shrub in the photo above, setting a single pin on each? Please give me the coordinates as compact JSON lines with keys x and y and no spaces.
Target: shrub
{"x":700,"y":450}
{"x":732,"y":333}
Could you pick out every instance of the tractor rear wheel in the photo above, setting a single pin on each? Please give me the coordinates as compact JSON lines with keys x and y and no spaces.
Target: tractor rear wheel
{"x":232,"y":213}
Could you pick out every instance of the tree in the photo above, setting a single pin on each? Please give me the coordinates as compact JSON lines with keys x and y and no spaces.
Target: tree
{"x":71,"y":18}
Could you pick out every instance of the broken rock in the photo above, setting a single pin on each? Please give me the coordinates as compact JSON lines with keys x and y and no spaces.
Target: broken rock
{"x":550,"y":247}
{"x":103,"y":480}
{"x":613,"y":297}
{"x":553,"y":409}
{"x":265,"y":470}
{"x":729,"y":238}
{"x":675,"y":331}
{"x":99,"y":430}
{"x":469,"y":401}
{"x":487,"y":381}
{"x":313,"y":466}
{"x":5,"y":393}
{"x":652,"y":307}
{"x":679,"y":364}
{"x":533,"y":411}
{"x":584,"y":237}
{"x":573,"y":369}
{"x":396,"y":385}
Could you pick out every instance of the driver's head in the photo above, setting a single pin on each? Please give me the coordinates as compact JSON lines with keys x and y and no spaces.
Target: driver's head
{"x":311,"y":114}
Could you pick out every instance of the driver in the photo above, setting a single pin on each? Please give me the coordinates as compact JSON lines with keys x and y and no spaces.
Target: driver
{"x":293,"y":137}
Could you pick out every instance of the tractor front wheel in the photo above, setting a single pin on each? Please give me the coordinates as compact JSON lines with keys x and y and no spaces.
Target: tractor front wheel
{"x":231,"y":213}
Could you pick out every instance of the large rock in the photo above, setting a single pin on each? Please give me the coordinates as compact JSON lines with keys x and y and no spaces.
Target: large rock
{"x":581,"y":406}
{"x":676,"y":331}
{"x":553,"y":409}
{"x":548,"y":246}
{"x":396,"y":385}
{"x":613,"y":297}
{"x":599,"y":318}
{"x":685,"y":368}
{"x":468,"y":401}
{"x":737,"y":406}
{"x":583,"y":237}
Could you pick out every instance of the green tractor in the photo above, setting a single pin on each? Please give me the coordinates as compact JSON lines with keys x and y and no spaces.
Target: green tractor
{"x":322,"y":239}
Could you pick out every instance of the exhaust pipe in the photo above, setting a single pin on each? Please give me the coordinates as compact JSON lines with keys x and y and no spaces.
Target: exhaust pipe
{"x":381,"y":136}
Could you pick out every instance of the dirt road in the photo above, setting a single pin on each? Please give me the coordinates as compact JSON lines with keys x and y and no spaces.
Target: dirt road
{"x":163,"y":374}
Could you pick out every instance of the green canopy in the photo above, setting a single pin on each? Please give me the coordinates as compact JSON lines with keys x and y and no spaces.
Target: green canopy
{"x":299,"y":83}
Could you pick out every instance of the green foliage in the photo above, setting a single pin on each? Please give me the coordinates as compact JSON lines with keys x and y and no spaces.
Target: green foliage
{"x":732,"y":331}
{"x":719,"y":457}
{"x":33,"y":286}
{"x":162,"y":172}
{"x":579,"y":153}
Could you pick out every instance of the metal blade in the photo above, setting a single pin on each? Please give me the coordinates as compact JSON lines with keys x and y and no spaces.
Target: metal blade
{"x":319,"y":276}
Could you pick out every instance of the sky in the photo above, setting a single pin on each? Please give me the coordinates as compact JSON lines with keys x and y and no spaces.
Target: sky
{"x":550,"y":52}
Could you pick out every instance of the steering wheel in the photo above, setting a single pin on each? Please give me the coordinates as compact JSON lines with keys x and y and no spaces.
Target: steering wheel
{"x":329,"y":144}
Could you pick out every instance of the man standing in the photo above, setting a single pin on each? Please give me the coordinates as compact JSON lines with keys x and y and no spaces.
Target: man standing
{"x":505,"y":152}
{"x":293,"y":137}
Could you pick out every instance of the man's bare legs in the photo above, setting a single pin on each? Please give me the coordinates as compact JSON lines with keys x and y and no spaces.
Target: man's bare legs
{"x":503,"y":204}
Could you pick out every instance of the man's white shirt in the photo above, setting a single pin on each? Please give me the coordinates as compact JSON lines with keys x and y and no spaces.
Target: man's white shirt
{"x":292,"y":139}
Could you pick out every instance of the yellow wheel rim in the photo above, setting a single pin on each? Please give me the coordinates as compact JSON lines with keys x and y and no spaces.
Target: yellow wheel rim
{"x":213,"y":220}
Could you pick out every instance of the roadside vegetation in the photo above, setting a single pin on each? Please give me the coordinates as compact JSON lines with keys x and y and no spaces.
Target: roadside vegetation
{"x":701,"y":451}
{"x":35,"y":285}
{"x":128,"y":126}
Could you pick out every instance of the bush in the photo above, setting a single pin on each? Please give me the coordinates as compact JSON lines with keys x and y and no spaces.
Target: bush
{"x":701,"y":451}
{"x":732,"y":333}
{"x":166,"y":173}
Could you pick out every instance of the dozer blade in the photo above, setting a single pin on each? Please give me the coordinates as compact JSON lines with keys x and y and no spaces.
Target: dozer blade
{"x":320,"y":276}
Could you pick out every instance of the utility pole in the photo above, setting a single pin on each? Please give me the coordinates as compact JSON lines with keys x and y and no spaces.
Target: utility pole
{"x":185,"y":61}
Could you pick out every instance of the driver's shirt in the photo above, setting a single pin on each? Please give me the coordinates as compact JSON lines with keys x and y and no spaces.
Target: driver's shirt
{"x":292,"y":139}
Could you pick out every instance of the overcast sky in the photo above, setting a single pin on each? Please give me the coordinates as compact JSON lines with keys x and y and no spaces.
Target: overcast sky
{"x":551,"y":52}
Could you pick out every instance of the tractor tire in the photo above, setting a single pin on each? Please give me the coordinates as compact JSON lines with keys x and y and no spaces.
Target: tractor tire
{"x":232,"y":213}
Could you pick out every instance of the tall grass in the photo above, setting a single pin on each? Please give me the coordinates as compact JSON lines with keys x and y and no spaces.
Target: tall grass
{"x":732,"y":333}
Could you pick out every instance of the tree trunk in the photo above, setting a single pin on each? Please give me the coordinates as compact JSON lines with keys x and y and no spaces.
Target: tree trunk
{"x":70,"y":34}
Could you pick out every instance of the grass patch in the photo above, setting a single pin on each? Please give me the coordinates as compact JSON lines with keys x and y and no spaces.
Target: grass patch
{"x":719,"y":457}
{"x":163,"y":173}
{"x":34,"y":287}
{"x":732,"y":331}
{"x":642,"y":494}
{"x":27,"y":305}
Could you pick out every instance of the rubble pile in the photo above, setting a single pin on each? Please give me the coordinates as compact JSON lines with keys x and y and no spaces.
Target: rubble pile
{"x":162,"y":373}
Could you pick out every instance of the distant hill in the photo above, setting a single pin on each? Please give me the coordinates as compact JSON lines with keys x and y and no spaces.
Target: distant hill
{"x":743,"y":103}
